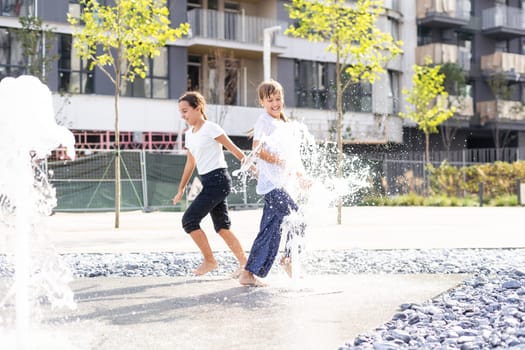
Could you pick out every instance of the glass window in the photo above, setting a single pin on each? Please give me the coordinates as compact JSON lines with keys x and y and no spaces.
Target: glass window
{"x":194,"y":73}
{"x":424,"y":36}
{"x":213,"y":5}
{"x":394,"y":28}
{"x":223,"y":80}
{"x":358,"y":97}
{"x":393,"y":92}
{"x":155,"y":84}
{"x":502,"y":46}
{"x":194,"y":4}
{"x":231,"y":81}
{"x":12,"y":62}
{"x":311,"y":90}
{"x":74,"y":75}
{"x":17,"y":8}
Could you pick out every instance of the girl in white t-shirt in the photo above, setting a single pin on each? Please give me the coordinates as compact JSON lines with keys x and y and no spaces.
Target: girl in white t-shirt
{"x":204,"y":141}
{"x":277,"y":172}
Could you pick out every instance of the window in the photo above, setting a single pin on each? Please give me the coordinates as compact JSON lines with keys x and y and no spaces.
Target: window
{"x":17,"y":8}
{"x":393,"y":28}
{"x":502,"y":46}
{"x":223,"y":80}
{"x":74,"y":75}
{"x":231,"y":17}
{"x":311,"y":90}
{"x":75,"y":7}
{"x":424,"y":36}
{"x":213,"y":5}
{"x":194,"y":73}
{"x":155,"y":84}
{"x":393,"y":92}
{"x":192,"y":4}
{"x":12,"y":61}
{"x":358,"y":97}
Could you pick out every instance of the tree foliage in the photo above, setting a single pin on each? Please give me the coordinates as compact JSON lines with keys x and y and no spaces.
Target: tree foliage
{"x":429,"y":101}
{"x":361,"y":49}
{"x":37,"y":40}
{"x":350,"y":32}
{"x":119,"y":39}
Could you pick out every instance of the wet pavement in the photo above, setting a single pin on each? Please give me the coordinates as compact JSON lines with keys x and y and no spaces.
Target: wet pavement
{"x":316,"y":312}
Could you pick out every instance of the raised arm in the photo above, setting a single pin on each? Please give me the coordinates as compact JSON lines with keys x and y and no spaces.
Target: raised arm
{"x":186,"y":174}
{"x":267,"y":156}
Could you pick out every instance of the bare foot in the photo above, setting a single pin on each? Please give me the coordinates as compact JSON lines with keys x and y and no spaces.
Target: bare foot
{"x":286,"y":264}
{"x":238,"y":272}
{"x":205,"y":267}
{"x":248,"y":279}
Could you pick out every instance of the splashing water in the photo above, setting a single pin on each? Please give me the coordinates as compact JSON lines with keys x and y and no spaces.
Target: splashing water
{"x":318,"y":188}
{"x":28,"y":134}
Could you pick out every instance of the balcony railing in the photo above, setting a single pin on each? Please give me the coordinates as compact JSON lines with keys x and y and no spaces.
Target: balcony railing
{"x":503,"y":62}
{"x":17,"y":8}
{"x":212,"y":24}
{"x":459,"y":9}
{"x":464,"y":105}
{"x":503,"y":16}
{"x":443,"y":53}
{"x":500,"y":109}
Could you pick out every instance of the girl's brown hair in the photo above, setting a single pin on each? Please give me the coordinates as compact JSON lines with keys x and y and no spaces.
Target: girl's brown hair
{"x":268,"y":88}
{"x":195,"y":100}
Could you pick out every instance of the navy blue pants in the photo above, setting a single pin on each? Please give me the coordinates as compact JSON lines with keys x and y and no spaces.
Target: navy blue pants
{"x":277,"y":205}
{"x":216,"y":185}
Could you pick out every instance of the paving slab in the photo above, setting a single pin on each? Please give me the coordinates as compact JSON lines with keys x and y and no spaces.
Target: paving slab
{"x":362,"y":227}
{"x":318,"y":312}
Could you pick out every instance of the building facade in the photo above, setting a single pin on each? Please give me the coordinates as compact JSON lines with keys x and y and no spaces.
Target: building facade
{"x":486,"y":38}
{"x":224,"y":58}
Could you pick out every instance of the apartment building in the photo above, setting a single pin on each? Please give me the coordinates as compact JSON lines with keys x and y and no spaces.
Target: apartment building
{"x":225,"y":58}
{"x":486,"y":38}
{"x":232,"y":43}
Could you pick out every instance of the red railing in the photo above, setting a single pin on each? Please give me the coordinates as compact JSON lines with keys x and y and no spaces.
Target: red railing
{"x":147,"y":140}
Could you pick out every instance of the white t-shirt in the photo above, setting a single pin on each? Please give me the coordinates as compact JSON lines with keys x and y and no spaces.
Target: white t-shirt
{"x":270,"y":176}
{"x":206,"y":150}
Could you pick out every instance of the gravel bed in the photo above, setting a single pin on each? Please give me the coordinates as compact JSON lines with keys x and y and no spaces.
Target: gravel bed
{"x":487,"y":311}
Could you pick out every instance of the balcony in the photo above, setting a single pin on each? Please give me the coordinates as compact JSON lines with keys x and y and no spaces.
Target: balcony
{"x":503,"y":22}
{"x":464,"y":106}
{"x":232,"y":27}
{"x":500,"y":110}
{"x":443,"y":53}
{"x":443,"y":13}
{"x":511,"y":65}
{"x":464,"y":109}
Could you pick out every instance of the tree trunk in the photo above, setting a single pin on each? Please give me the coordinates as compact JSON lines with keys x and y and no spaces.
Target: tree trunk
{"x":339,"y":106}
{"x":117,"y":144}
{"x":427,"y":161}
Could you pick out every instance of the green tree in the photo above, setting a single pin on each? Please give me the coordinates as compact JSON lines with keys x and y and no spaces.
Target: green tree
{"x":36,"y":40}
{"x":361,"y":50}
{"x":118,"y":40}
{"x":456,"y":86}
{"x":429,"y":101}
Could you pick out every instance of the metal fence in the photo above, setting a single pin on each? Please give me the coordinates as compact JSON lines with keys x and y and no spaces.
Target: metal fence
{"x":150,"y":179}
{"x":404,"y":172}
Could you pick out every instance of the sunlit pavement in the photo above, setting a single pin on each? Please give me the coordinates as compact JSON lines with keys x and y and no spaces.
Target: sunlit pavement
{"x":316,"y":312}
{"x":361,"y":227}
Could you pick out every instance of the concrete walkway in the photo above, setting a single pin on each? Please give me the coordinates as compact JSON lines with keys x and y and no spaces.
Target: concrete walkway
{"x":317,"y":312}
{"x":362,"y":227}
